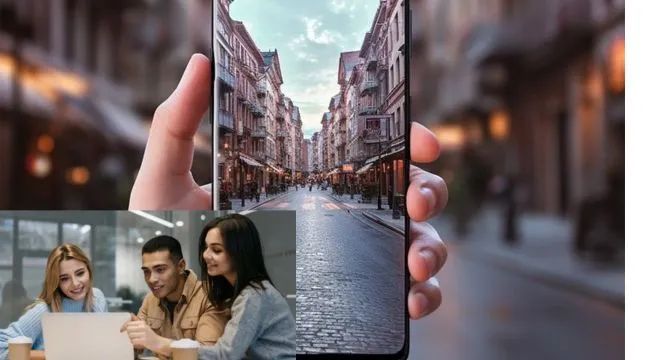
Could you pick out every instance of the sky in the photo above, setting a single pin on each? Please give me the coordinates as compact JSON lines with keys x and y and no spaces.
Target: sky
{"x":309,"y":36}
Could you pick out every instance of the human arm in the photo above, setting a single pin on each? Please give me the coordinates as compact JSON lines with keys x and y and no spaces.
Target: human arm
{"x":28,"y":325}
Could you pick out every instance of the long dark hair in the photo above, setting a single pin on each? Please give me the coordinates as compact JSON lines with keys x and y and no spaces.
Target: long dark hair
{"x":244,"y":248}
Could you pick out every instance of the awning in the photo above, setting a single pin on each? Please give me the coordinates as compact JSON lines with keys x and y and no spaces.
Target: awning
{"x":124,"y":123}
{"x":371,"y":160}
{"x":365,"y":168}
{"x":274,"y":168}
{"x":33,"y":101}
{"x":250,"y":161}
{"x":392,"y":153}
{"x":334,"y":172}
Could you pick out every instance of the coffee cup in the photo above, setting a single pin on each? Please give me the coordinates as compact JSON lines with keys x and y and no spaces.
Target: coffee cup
{"x":19,"y":348}
{"x":185,"y":349}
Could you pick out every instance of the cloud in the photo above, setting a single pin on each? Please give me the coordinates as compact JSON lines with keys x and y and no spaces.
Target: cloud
{"x":313,"y":100}
{"x":318,"y":36}
{"x":298,"y":43}
{"x":298,"y":46}
{"x":307,"y":57}
{"x":339,"y":6}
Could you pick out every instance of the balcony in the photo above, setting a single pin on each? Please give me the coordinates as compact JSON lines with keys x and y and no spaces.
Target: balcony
{"x":343,"y":113}
{"x":225,"y":120}
{"x":259,"y":132}
{"x":368,"y":110}
{"x":259,"y":155}
{"x":382,"y":63}
{"x":358,"y":155}
{"x":340,"y":139}
{"x":241,"y":95}
{"x":280,"y":113}
{"x":257,"y":110}
{"x":368,"y":85}
{"x":371,"y":62}
{"x":371,"y":136}
{"x":540,"y":25}
{"x":226,"y":78}
{"x":262,"y":88}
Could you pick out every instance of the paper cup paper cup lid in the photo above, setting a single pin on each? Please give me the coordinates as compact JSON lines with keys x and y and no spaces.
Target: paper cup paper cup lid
{"x":185,"y":344}
{"x":20,"y":340}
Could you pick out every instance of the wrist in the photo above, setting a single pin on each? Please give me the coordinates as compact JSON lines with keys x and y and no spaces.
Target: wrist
{"x":163,"y":346}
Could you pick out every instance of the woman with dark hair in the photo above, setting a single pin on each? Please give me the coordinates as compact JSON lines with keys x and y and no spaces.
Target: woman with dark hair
{"x":235,"y":279}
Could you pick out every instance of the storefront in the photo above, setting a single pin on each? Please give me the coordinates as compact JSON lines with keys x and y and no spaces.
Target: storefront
{"x":611,"y":55}
{"x":76,"y":150}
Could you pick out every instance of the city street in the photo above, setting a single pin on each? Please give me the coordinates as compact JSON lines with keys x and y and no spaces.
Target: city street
{"x":346,"y":283}
{"x":488,"y":312}
{"x":491,"y":313}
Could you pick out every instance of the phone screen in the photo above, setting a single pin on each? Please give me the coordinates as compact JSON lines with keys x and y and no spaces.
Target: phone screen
{"x":310,"y":113}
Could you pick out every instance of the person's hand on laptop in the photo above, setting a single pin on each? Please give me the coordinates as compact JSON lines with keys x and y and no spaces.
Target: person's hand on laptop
{"x":165,"y":181}
{"x":141,"y":335}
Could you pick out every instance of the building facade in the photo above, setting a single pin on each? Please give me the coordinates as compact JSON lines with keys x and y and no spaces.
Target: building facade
{"x":259,"y":126}
{"x":81,"y":115}
{"x":362,"y":133}
{"x":538,"y":87}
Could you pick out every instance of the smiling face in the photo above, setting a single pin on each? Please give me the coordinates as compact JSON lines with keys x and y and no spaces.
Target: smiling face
{"x":161,"y":274}
{"x":74,"y":279}
{"x":215,"y":256}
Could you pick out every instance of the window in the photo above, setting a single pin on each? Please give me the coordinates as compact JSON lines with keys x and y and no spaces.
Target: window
{"x":392,"y":78}
{"x":396,"y":22}
{"x":398,"y":127}
{"x":399,"y":74}
{"x":403,"y":12}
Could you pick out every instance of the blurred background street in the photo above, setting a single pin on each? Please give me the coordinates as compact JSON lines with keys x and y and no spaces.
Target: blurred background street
{"x":526,"y":97}
{"x":76,"y":111}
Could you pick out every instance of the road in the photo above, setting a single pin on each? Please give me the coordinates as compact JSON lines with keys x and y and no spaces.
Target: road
{"x":488,"y":312}
{"x":348,"y":283}
{"x":492,"y":313}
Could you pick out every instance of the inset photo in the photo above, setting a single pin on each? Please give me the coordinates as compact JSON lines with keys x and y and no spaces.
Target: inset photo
{"x":119,"y":284}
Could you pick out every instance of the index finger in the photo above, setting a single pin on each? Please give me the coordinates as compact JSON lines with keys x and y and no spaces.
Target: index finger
{"x":125,"y":326}
{"x":170,"y":146}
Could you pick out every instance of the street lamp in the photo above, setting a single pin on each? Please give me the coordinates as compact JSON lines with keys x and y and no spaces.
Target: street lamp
{"x":380,"y":167}
{"x":241,"y":172}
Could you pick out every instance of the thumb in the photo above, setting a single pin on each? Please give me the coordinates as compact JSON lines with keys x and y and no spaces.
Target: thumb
{"x":170,"y":148}
{"x":134,"y":318}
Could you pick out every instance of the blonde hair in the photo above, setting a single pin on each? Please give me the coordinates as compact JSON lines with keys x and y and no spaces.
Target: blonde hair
{"x":51,"y":293}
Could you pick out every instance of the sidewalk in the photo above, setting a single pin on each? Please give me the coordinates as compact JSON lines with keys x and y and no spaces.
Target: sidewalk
{"x":544,"y":252}
{"x":385,"y":216}
{"x":251,"y":205}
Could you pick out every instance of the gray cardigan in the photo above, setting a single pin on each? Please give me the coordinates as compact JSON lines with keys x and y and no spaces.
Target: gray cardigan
{"x":261,"y":327}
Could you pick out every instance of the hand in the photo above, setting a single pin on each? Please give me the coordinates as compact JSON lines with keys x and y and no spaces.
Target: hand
{"x":142,"y":336}
{"x":164,"y":181}
{"x":425,"y":198}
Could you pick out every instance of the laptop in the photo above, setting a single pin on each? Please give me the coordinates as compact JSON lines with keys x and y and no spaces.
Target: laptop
{"x":83,"y":336}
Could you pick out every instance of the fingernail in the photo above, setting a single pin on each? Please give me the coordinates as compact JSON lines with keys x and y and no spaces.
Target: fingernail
{"x":431,"y":260}
{"x":188,"y":70}
{"x":422,"y":304}
{"x":427,"y":192}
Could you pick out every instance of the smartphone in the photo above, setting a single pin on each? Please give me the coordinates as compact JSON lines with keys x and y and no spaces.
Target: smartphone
{"x":310,"y":113}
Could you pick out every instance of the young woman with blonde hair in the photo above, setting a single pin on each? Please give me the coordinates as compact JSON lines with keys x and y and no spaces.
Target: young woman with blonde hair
{"x":68,"y":287}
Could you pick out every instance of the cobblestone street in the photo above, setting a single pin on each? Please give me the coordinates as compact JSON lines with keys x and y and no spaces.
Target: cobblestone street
{"x":348,"y":284}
